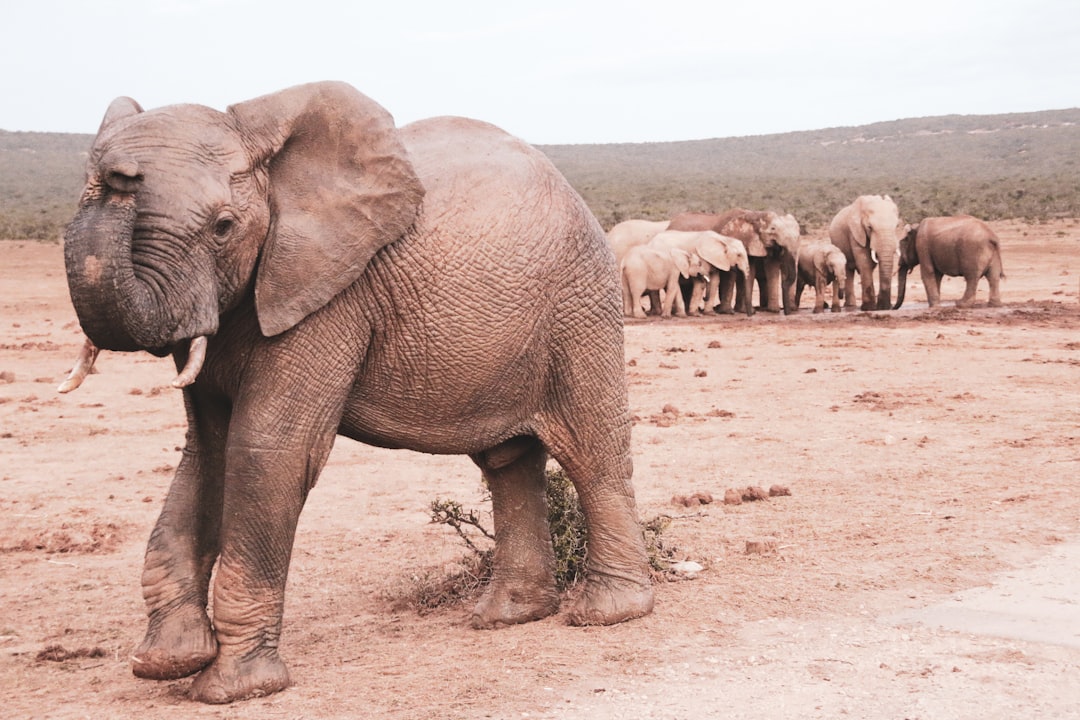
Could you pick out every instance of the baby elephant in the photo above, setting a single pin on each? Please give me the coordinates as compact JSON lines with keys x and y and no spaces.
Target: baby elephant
{"x":960,"y":246}
{"x":821,"y":263}
{"x":646,"y":268}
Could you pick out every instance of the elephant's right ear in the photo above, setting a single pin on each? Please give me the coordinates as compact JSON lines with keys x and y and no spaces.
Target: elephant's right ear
{"x":714,"y":252}
{"x":341,"y":188}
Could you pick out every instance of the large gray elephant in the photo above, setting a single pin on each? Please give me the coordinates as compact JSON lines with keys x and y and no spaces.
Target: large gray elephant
{"x":867,"y":233}
{"x":772,"y":244}
{"x":438,"y":287}
{"x":958,"y":245}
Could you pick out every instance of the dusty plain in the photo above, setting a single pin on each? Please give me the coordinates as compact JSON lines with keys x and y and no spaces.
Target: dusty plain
{"x":930,"y":455}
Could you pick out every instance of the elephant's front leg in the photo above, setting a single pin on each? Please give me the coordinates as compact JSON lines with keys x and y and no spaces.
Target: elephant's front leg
{"x":773,"y":291}
{"x":725,"y":286}
{"x":820,"y":283}
{"x":181,"y":552}
{"x":266,"y":482}
{"x":866,"y":278}
{"x":277,"y":445}
{"x":849,"y":300}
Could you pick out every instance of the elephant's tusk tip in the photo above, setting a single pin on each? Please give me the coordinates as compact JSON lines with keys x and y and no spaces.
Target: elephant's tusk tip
{"x":196,"y":357}
{"x":84,"y":365}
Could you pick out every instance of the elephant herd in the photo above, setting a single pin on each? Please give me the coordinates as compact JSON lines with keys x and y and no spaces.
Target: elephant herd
{"x":727,"y":254}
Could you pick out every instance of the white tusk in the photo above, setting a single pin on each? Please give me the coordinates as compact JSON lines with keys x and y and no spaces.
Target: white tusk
{"x":83,"y":365}
{"x":196,"y":356}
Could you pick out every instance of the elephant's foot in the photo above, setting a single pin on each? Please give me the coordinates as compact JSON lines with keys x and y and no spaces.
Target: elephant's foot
{"x":232,"y":678}
{"x":818,"y":310}
{"x":994,"y":302}
{"x":180,"y":644}
{"x":504,"y":605}
{"x":610,"y":599}
{"x":775,"y":311}
{"x":722,"y":310}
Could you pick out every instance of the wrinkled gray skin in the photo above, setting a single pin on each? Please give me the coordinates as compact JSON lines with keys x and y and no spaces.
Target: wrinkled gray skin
{"x":438,"y":287}
{"x":772,"y":244}
{"x":959,"y":246}
{"x":867,"y":233}
{"x":822,"y":264}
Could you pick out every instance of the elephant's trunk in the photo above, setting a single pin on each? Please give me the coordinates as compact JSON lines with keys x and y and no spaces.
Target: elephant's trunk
{"x":902,"y":286}
{"x":116,"y":309}
{"x":885,"y":277}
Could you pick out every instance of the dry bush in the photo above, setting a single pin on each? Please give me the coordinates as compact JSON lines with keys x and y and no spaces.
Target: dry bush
{"x":437,"y":588}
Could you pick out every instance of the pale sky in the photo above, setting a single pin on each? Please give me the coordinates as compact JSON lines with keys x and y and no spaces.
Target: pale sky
{"x":554,"y":71}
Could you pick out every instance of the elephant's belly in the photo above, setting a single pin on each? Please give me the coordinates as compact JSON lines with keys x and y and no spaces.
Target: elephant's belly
{"x":444,"y":426}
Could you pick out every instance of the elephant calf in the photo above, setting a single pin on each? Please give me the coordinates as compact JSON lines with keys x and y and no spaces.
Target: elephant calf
{"x":647,"y":269}
{"x":960,"y":246}
{"x":821,"y":264}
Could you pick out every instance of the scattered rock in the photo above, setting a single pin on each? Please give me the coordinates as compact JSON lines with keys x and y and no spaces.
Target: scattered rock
{"x":700,"y":373}
{"x":811,"y":370}
{"x":761,"y":546}
{"x":779,"y":491}
{"x":698,"y":498}
{"x":714,"y":345}
{"x":670,"y":409}
{"x":754,"y":493}
{"x":7,"y":377}
{"x":686,"y":569}
{"x":732,"y":497}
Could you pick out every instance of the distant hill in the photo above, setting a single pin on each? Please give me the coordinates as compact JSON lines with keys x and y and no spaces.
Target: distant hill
{"x":1022,"y":165}
{"x":993,"y":166}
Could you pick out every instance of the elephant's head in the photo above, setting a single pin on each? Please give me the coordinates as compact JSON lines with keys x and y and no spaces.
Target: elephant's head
{"x":725,"y":253}
{"x":834,"y":266}
{"x":909,"y":259}
{"x":186,"y":210}
{"x":781,"y":233}
{"x":873,"y":226}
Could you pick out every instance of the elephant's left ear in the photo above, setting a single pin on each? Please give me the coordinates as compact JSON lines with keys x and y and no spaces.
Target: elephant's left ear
{"x":341,"y":188}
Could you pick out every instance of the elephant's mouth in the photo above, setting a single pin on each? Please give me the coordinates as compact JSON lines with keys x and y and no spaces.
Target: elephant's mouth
{"x":84,"y":364}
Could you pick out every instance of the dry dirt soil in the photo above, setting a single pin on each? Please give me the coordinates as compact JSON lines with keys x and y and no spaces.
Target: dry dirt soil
{"x":927,"y":453}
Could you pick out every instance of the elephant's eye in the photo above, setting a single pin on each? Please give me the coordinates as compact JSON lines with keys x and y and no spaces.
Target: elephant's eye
{"x":223,"y":226}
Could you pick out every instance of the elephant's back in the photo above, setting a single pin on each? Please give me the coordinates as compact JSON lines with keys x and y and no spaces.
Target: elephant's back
{"x":489,"y":189}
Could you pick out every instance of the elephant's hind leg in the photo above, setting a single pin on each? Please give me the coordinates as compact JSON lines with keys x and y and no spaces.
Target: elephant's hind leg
{"x":523,"y":584}
{"x":595,"y":454}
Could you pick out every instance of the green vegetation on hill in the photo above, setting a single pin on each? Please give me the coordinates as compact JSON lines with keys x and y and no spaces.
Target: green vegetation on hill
{"x":41,"y":176}
{"x":991,"y":166}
